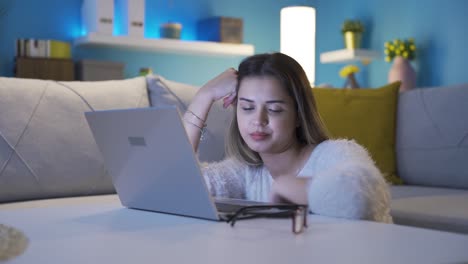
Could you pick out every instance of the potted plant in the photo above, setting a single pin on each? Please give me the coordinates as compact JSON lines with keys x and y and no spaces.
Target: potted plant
{"x":401,"y":52}
{"x":404,"y":48}
{"x":352,"y":32}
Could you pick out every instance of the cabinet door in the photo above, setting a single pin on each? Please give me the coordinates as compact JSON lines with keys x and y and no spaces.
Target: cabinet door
{"x":43,"y":68}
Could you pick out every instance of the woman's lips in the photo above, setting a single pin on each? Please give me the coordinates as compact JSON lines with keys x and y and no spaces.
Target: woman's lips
{"x":257,"y":136}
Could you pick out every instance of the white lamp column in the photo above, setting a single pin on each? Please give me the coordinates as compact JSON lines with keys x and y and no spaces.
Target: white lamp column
{"x":298,"y":37}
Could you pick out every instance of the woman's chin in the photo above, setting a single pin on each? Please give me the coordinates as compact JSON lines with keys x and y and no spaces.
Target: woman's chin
{"x":258,"y":147}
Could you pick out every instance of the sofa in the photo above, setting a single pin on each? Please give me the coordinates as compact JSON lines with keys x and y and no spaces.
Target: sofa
{"x":432,"y":159}
{"x":47,"y":150}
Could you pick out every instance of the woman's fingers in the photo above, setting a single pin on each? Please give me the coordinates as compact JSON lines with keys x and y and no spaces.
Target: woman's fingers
{"x":230,"y":99}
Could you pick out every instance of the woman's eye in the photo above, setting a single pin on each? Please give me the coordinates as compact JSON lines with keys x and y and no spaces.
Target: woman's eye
{"x":247,"y":108}
{"x":275,"y":110}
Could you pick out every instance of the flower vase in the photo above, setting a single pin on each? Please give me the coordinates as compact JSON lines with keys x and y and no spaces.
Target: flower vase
{"x":402,"y":70}
{"x":351,"y":82}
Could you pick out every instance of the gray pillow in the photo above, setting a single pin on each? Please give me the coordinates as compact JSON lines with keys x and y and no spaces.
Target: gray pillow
{"x":46,"y":147}
{"x":432,"y":136}
{"x":165,"y":92}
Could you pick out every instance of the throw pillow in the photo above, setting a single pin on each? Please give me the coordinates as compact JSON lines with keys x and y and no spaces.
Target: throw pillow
{"x":46,"y":147}
{"x":367,"y":116}
{"x":167,"y":92}
{"x":432,"y":136}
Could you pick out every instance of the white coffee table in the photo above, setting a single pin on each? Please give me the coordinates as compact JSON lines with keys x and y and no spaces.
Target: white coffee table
{"x":98,"y":229}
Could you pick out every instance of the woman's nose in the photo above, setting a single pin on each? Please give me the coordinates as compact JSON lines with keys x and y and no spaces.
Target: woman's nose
{"x":260,"y":118}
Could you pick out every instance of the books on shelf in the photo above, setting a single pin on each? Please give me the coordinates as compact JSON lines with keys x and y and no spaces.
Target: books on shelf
{"x":39,"y":48}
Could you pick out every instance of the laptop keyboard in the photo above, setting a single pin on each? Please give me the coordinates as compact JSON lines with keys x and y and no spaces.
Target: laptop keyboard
{"x":228,"y":208}
{"x":233,"y":205}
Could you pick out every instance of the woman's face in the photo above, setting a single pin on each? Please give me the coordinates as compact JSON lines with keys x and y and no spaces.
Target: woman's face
{"x":266,"y":115}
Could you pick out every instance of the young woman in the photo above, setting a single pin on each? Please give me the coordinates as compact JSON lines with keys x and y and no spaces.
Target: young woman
{"x":277,"y":147}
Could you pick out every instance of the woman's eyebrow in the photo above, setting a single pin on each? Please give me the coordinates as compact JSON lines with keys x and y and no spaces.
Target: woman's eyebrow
{"x":245,"y":99}
{"x":275,"y":102}
{"x":268,"y":102}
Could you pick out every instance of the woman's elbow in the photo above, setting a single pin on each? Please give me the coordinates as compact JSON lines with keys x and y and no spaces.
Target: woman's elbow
{"x":353,"y":191}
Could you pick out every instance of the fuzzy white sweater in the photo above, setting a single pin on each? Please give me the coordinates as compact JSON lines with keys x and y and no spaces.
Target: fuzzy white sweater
{"x":344,"y":182}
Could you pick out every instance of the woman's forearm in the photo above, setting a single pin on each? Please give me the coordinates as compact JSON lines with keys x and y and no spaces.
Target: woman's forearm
{"x":195,"y":117}
{"x":222,"y":86}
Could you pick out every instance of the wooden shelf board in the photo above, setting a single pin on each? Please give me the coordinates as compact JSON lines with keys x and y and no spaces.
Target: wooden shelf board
{"x":167,"y":45}
{"x":348,"y":55}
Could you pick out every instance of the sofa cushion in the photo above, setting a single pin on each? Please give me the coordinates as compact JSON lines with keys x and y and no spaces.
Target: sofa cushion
{"x":167,"y":92}
{"x":366,"y":115}
{"x":46,"y":147}
{"x":432,"y":136}
{"x":436,"y":208}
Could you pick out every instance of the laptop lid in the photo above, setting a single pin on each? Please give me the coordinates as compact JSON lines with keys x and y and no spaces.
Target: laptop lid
{"x":151,"y":161}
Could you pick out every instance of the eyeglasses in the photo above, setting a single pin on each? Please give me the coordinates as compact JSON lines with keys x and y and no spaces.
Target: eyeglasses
{"x":298,"y":214}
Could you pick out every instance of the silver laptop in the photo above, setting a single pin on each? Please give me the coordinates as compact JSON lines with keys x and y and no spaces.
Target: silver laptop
{"x":152,"y":164}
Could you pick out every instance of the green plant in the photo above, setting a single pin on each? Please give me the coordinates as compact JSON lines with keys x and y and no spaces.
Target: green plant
{"x":352,"y":26}
{"x":404,"y":48}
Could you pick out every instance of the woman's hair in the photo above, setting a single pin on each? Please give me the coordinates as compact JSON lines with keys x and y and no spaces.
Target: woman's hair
{"x":292,"y":77}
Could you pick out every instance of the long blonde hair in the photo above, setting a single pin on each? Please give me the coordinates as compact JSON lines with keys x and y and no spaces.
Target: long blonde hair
{"x":311,"y":130}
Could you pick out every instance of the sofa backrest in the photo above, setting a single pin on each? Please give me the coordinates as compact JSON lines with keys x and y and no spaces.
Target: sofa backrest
{"x":432,"y":136}
{"x":46,"y":147}
{"x":166,"y":92}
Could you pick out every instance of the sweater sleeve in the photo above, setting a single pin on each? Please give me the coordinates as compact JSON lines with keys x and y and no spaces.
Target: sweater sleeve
{"x":346,"y":183}
{"x":225,"y":178}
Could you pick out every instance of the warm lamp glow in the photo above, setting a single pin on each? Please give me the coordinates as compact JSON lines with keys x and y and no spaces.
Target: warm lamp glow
{"x":298,"y":37}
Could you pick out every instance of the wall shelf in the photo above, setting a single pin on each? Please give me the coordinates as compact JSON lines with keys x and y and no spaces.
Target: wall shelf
{"x":166,"y":45}
{"x":349,"y":55}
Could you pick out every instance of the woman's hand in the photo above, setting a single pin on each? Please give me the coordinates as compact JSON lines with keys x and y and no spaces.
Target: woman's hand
{"x":222,"y":86}
{"x":289,"y":190}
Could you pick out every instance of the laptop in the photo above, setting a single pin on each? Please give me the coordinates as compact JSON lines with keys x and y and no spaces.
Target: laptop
{"x":152,"y":164}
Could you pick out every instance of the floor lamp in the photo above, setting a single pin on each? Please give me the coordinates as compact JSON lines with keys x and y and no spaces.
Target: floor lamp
{"x":298,"y":37}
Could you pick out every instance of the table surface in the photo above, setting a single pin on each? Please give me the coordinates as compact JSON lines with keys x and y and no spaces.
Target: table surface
{"x":97,"y":229}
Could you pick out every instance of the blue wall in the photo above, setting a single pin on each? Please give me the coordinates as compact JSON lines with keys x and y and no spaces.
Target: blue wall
{"x":437,"y":26}
{"x":439,"y":29}
{"x":58,"y":19}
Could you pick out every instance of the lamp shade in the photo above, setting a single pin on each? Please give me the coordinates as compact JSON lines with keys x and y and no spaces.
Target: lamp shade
{"x":298,"y":37}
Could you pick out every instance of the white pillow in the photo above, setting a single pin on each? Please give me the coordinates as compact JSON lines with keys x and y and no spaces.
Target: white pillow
{"x":46,"y":147}
{"x":166,"y":92}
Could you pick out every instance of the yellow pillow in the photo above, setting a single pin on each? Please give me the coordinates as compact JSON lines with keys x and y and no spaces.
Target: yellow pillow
{"x":367,"y":116}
